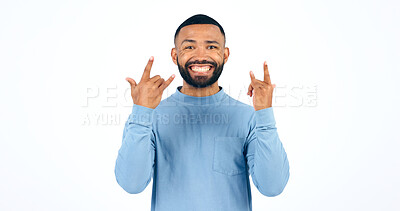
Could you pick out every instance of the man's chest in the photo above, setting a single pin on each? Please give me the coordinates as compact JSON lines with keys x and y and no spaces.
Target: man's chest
{"x":215,"y":142}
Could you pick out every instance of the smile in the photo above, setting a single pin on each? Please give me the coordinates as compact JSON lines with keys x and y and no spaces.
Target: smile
{"x":200,"y":68}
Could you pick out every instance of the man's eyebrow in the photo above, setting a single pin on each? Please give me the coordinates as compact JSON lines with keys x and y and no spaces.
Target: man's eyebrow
{"x":207,"y":41}
{"x":212,"y":41}
{"x":187,"y":40}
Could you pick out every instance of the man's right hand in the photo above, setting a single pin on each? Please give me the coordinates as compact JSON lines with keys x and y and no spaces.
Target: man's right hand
{"x":149,"y":90}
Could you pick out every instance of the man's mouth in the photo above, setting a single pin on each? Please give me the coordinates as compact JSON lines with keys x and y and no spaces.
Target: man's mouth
{"x":201,"y":68}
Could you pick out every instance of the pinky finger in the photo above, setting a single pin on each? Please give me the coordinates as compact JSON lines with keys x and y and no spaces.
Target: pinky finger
{"x":167,"y":82}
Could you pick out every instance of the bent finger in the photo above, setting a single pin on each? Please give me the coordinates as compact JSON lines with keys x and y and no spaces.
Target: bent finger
{"x":159,"y":82}
{"x":250,"y":90}
{"x":257,"y":83}
{"x":155,"y":78}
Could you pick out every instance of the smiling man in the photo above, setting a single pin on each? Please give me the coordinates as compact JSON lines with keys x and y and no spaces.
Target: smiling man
{"x":200,"y":145}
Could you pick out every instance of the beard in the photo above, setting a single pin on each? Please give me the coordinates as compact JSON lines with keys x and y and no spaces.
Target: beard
{"x":200,"y":81}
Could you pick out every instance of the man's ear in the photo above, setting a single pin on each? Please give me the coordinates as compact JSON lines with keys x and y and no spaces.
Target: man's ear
{"x":226,"y":55}
{"x":173,"y":55}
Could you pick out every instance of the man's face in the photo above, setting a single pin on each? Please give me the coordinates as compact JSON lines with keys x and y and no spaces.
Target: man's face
{"x":200,"y":54}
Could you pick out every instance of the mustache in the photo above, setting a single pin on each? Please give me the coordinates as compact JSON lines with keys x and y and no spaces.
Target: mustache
{"x":214,"y":64}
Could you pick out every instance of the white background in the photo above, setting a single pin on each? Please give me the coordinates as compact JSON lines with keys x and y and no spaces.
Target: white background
{"x":63,"y":102}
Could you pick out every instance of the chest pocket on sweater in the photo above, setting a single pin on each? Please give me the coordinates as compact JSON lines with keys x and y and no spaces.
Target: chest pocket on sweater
{"x":228,"y":155}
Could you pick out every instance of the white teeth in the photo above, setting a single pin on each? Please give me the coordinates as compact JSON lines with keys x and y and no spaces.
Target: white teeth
{"x":200,"y":69}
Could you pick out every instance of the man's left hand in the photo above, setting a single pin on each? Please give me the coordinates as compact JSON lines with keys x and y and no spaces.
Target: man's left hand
{"x":262,"y":96}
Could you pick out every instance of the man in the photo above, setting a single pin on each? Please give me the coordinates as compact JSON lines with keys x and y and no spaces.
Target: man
{"x":200,"y":145}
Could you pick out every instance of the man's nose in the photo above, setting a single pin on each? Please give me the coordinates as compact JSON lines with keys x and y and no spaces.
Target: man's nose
{"x":201,"y":54}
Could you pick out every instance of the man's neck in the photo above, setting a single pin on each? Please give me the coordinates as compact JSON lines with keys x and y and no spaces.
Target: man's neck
{"x":199,"y":92}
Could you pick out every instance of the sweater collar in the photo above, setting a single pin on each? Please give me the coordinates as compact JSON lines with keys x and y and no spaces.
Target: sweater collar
{"x":207,"y":100}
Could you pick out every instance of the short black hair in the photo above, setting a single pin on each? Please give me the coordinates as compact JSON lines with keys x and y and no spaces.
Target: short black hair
{"x":199,"y":19}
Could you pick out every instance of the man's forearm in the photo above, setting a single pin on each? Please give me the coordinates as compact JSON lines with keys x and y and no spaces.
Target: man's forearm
{"x":135,"y":162}
{"x":270,"y":166}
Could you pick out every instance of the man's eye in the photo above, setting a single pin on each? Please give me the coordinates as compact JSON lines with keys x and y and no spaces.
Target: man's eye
{"x":189,"y":47}
{"x":211,"y":47}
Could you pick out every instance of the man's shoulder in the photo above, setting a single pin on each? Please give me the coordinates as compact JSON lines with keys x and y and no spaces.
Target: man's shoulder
{"x":237,"y":103}
{"x":239,"y":107}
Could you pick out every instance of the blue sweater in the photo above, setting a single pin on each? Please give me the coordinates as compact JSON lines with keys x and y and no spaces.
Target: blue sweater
{"x":200,"y":152}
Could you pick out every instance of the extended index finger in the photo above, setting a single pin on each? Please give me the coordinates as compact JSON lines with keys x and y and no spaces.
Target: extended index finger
{"x":267,"y":79}
{"x":146,"y":72}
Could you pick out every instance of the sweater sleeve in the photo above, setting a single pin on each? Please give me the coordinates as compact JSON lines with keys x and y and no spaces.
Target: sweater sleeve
{"x":135,"y":162}
{"x":266,"y":158}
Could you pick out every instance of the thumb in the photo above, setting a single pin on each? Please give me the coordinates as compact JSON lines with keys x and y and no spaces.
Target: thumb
{"x":252,"y":77}
{"x":131,"y":82}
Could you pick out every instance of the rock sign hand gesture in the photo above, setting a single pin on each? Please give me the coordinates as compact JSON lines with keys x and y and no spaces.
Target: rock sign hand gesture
{"x":149,"y":90}
{"x":262,"y":96}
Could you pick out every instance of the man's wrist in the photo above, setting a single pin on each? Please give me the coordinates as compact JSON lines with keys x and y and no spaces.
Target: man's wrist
{"x":265,"y":117}
{"x":141,"y":115}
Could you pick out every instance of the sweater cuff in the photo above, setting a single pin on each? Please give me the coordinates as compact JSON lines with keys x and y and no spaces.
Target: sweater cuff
{"x":141,"y":115}
{"x":265,"y":117}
